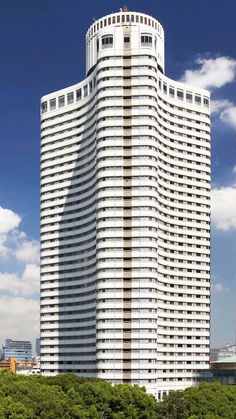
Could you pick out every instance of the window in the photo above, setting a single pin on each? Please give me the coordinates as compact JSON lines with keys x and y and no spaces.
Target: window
{"x":85,"y":90}
{"x":198,"y":99}
{"x":52,"y":104}
{"x":44,"y":107}
{"x":107,"y":41}
{"x":171,"y":91}
{"x":180,"y":94}
{"x":206,"y":102}
{"x":78,"y":95}
{"x":61,"y":101}
{"x":127,"y":41}
{"x":146,"y":40}
{"x":70,"y":98}
{"x":189,"y":97}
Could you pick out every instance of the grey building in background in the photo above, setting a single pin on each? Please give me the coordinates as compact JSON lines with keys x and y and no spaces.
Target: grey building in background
{"x":37,"y":346}
{"x":18,"y":349}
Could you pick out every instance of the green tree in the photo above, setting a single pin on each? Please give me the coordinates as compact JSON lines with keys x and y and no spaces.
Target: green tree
{"x":211,"y":401}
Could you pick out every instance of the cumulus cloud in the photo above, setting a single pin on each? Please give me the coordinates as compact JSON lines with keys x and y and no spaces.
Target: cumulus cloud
{"x":226,"y":111}
{"x":211,"y":73}
{"x":20,"y":318}
{"x":14,"y":242}
{"x":219,"y":288}
{"x":228,"y":115}
{"x":9,"y":221}
{"x":220,"y":105}
{"x":19,"y":292}
{"x":25,"y":285}
{"x":28,"y":251}
{"x":223,"y":201}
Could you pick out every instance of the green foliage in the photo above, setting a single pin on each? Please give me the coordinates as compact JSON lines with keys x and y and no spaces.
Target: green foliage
{"x":207,"y":401}
{"x":72,"y":397}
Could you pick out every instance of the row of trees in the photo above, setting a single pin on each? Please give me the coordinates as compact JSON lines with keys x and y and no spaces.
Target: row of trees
{"x":69,"y":396}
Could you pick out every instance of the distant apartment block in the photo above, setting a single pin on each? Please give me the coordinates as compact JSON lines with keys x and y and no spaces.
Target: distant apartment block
{"x":18,"y":349}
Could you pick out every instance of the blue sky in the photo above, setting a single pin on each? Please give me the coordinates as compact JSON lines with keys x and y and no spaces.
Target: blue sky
{"x":43,"y":49}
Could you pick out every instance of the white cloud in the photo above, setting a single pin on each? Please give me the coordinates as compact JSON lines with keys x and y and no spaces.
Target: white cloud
{"x":28,"y":251}
{"x":220,"y":105}
{"x":9,"y":221}
{"x":19,"y":305}
{"x":20,"y":318}
{"x":226,"y":111}
{"x":219,"y":288}
{"x":25,"y":285}
{"x":223,"y":201}
{"x":228,"y":115}
{"x":212,"y":72}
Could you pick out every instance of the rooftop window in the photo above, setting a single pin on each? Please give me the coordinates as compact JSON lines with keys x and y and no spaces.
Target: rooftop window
{"x":44,"y":107}
{"x":146,"y":40}
{"x":61,"y":101}
{"x":70,"y":98}
{"x":107,"y":41}
{"x":52,"y":104}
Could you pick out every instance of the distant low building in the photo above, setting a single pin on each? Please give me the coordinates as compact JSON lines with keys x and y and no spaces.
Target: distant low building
{"x":20,"y":367}
{"x":222,"y":370}
{"x":18,"y":349}
{"x":223,"y":352}
{"x":9,"y":365}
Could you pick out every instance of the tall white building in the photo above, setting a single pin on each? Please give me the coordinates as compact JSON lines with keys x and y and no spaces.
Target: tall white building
{"x":125,"y":215}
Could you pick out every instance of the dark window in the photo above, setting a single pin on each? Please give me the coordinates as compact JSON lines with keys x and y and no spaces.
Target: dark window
{"x":52,"y":104}
{"x":189,"y":97}
{"x":61,"y":101}
{"x":180,"y":94}
{"x":85,"y":90}
{"x":107,"y":41}
{"x":70,"y":98}
{"x":146,"y":40}
{"x":171,"y":92}
{"x":44,"y":107}
{"x":198,"y":99}
{"x":126,"y":41}
{"x":78,"y":95}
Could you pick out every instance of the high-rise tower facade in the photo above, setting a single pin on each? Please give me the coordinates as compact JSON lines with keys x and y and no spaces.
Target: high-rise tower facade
{"x":125,"y":215}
